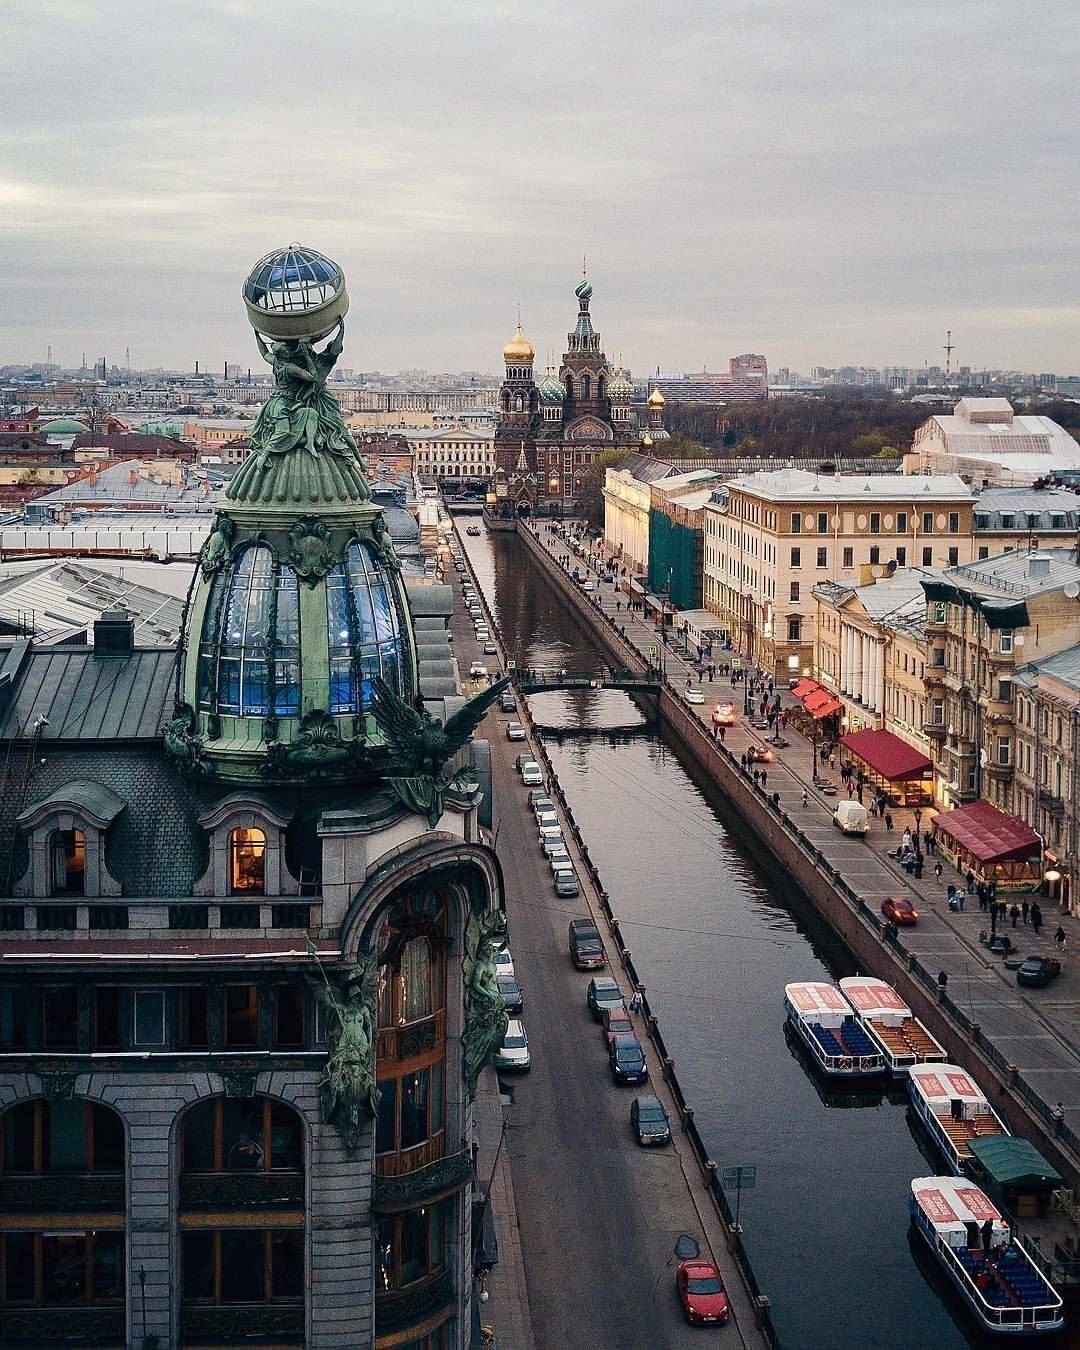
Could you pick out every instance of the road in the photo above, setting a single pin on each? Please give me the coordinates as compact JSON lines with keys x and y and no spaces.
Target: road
{"x":598,"y":1215}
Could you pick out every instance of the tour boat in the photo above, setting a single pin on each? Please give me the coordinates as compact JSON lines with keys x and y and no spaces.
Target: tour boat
{"x":825,"y":1022}
{"x":890,"y":1023}
{"x":953,"y":1110}
{"x":995,"y":1276}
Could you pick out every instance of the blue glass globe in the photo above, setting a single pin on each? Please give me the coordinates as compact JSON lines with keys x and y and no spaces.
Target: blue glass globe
{"x":295,"y":292}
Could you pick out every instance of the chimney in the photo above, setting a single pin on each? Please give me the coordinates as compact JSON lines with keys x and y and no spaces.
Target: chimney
{"x":133,"y":476}
{"x":114,"y":634}
{"x":1038,"y":565}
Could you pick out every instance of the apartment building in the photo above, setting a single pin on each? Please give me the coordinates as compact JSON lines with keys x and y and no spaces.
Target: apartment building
{"x":984,"y":620}
{"x":453,"y":453}
{"x":771,"y":537}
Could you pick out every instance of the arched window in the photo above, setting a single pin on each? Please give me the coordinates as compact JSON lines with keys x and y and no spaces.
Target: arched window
{"x":247,"y":862}
{"x":61,"y":1136}
{"x":364,"y":632}
{"x":569,"y":388}
{"x":249,"y":656}
{"x":586,"y":386}
{"x":67,"y":862}
{"x":234,"y":1134}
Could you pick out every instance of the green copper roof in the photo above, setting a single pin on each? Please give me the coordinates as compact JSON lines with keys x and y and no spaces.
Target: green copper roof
{"x":63,"y":426}
{"x":299,"y":478}
{"x":1011,"y":1161}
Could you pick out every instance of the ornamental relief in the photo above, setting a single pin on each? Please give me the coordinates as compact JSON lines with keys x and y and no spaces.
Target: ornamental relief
{"x":589,"y":429}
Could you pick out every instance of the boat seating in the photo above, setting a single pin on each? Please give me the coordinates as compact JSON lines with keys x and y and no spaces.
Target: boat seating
{"x":826,"y":1038}
{"x":959,"y":1132}
{"x":985,"y":1124}
{"x":919,"y":1039}
{"x":856,"y":1041}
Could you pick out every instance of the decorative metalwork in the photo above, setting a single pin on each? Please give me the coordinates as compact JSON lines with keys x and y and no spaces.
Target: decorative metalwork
{"x":422,"y":1187}
{"x":242,"y":1190}
{"x":182,"y":741}
{"x":317,"y":750}
{"x":400,"y":1308}
{"x":58,"y":1087}
{"x":239,"y":1321}
{"x":92,"y":1324}
{"x":74,"y":1193}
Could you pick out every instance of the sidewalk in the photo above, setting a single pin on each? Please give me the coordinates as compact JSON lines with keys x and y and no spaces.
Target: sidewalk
{"x":1037,"y":1030}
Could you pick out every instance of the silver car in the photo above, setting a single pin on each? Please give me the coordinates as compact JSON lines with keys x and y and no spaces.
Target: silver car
{"x":514,"y":1051}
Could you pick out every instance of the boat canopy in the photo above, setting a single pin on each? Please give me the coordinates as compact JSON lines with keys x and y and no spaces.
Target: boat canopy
{"x":941,"y":1084}
{"x":1009,"y":1161}
{"x":874,"y":999}
{"x":951,"y":1203}
{"x":818,"y":1002}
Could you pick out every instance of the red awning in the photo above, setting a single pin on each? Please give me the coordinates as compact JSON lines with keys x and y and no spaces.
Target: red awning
{"x":887,"y":755}
{"x":815,"y":699}
{"x":988,"y":834}
{"x":805,"y":687}
{"x":826,"y":709}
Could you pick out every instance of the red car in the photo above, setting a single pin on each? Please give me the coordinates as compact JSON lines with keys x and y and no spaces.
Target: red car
{"x":723,"y":715}
{"x":898,"y":910}
{"x":760,"y":754}
{"x":616,"y":1022}
{"x":701,"y":1293}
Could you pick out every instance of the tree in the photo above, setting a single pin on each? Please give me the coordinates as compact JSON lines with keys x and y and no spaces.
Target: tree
{"x":592,"y":483}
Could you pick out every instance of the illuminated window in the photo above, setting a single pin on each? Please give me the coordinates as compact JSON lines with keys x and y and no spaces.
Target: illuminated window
{"x":67,"y":862}
{"x":247,"y":862}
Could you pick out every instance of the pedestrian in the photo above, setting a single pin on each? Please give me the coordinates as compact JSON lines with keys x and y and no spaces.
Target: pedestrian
{"x":636,"y":1001}
{"x":722,"y":730}
{"x":1036,"y":917}
{"x":960,"y":898}
{"x":776,"y":800}
{"x":860,"y":794}
{"x":937,"y":869}
{"x":1014,"y":913}
{"x":1024,"y":907}
{"x":888,"y":821}
{"x":970,"y":879}
{"x":832,"y":760}
{"x":1059,"y":938}
{"x":764,"y":778}
{"x":850,"y":789}
{"x":905,"y":839}
{"x":805,"y":797}
{"x":928,"y":841}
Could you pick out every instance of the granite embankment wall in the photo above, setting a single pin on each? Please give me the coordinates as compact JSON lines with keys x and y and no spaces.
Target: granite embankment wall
{"x":879,"y":952}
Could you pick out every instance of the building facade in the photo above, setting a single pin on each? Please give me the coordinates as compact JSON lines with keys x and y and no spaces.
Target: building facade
{"x":983,"y":622}
{"x":770,"y":537}
{"x":549,"y":435}
{"x":247,"y":945}
{"x":453,"y":455}
{"x":987,"y":442}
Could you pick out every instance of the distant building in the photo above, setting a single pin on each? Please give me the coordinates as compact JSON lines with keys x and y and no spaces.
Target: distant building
{"x":676,"y":537}
{"x":746,"y":381}
{"x":453,"y":454}
{"x":984,"y":440}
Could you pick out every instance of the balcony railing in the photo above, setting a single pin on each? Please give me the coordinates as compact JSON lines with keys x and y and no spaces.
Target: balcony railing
{"x":72,"y":1192}
{"x":411,"y":1039}
{"x":411,"y":1159}
{"x":937,"y":731}
{"x":283,"y":1323}
{"x":393,"y":1193}
{"x":1002,"y":772}
{"x":397,"y":1309}
{"x":1048,"y":802}
{"x":71,"y":1324}
{"x":241,"y":1190}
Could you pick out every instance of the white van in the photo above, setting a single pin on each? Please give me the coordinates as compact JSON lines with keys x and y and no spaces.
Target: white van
{"x":851,"y":817}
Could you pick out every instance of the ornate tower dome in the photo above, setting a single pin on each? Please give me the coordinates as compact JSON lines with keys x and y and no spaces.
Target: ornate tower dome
{"x":656,"y":399}
{"x":519,"y":350}
{"x":620,"y":386}
{"x":551,"y":388}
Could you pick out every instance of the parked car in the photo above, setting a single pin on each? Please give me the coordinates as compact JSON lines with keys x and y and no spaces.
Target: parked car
{"x":551,"y":841}
{"x":616,"y":1022}
{"x":586,"y":945}
{"x":512,"y":996}
{"x":514,"y":1051}
{"x":531,"y":776}
{"x":490,"y":648}
{"x":476,"y":611}
{"x":897,"y":909}
{"x":507,"y":701}
{"x":547,"y":815}
{"x":627,"y":1059}
{"x":701,"y":1292}
{"x":760,"y":754}
{"x":588,"y":586}
{"x":694,"y":696}
{"x":539,"y":799}
{"x":478,"y":671}
{"x":515,"y":731}
{"x":603,"y":992}
{"x":526,"y":761}
{"x":851,"y":817}
{"x":566,"y":884}
{"x":559,"y":858}
{"x":724,"y":715}
{"x":504,"y":962}
{"x":649,"y":1121}
{"x":1037,"y":971}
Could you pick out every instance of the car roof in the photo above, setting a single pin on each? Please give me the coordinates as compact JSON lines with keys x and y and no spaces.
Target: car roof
{"x":515,"y":1026}
{"x":649,"y":1100}
{"x":626,"y":1040}
{"x":605,"y":982}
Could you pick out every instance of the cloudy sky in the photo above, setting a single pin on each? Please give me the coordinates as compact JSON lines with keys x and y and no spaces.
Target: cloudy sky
{"x":823,"y":181}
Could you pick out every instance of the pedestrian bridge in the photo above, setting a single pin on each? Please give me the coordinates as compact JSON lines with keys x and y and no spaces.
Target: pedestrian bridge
{"x":534,"y":681}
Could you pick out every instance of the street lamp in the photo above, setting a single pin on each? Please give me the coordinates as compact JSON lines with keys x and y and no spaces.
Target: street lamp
{"x":916,"y":815}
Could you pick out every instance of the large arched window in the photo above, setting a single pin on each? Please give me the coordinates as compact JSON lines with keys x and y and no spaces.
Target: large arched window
{"x":61,"y":1136}
{"x":249,"y":657}
{"x":234,"y":1134}
{"x":364,"y":631}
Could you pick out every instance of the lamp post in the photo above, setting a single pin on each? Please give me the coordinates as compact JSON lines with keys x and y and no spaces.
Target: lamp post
{"x":814,"y":742}
{"x":1051,"y":876}
{"x":916,"y":816}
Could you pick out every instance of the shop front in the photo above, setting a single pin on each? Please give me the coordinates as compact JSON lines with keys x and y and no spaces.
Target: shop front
{"x":891,"y":766}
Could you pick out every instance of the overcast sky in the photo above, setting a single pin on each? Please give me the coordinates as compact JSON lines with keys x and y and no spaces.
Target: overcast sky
{"x":822,"y":181}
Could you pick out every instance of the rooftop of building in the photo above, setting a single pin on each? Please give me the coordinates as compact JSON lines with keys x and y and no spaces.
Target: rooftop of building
{"x":1024,"y":502}
{"x":157,"y":480}
{"x":1064,"y":666}
{"x":1017,"y":573}
{"x":59,"y":601}
{"x":802,"y":485}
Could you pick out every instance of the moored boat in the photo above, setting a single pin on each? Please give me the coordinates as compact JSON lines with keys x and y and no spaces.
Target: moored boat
{"x":953,"y":1109}
{"x":994,"y":1275}
{"x":825,"y":1022}
{"x":890,"y":1023}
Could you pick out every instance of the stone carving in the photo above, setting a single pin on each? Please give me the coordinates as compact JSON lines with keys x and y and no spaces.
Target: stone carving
{"x":317,"y":750}
{"x":310,"y":554}
{"x":420,"y":745}
{"x":350,"y":1097}
{"x":485,"y":1013}
{"x":182,"y":742}
{"x":238,"y":1082}
{"x":58,"y":1086}
{"x":218,"y":547}
{"x":384,"y":545}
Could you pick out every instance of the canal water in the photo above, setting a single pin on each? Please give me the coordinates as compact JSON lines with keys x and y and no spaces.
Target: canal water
{"x":716,"y":934}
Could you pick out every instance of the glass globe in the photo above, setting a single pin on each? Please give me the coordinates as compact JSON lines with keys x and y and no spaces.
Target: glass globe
{"x":295,"y":292}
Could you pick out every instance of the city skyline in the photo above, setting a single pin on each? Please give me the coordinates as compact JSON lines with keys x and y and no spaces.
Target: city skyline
{"x":841,"y":185}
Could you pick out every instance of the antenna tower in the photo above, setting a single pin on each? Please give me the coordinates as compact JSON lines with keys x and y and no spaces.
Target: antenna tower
{"x":949,"y":349}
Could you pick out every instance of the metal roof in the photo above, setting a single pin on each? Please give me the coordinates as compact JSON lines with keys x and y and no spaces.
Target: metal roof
{"x":799,"y":485}
{"x":62,"y":599}
{"x":86,"y":697}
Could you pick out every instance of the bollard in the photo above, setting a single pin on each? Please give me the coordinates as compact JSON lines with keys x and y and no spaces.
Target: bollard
{"x":688,"y":1115}
{"x":667,"y":1067}
{"x":1012,"y":1073}
{"x":761,"y":1309}
{"x":625,"y":956}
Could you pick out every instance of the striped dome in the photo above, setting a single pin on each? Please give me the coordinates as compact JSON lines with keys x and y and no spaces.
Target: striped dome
{"x":551,"y":389}
{"x":620,"y":386}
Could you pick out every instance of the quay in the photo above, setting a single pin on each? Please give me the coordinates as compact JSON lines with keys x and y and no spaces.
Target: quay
{"x":1022,"y":1045}
{"x":587,"y":1221}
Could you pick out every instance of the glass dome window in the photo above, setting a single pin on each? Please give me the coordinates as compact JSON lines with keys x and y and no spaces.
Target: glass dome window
{"x":295,"y":278}
{"x":363,"y":628}
{"x":249,"y":656}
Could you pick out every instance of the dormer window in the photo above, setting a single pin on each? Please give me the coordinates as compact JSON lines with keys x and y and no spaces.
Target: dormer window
{"x":65,"y":835}
{"x":247,"y":862}
{"x":67,"y":862}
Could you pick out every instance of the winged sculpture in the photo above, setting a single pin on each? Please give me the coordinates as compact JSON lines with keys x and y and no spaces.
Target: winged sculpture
{"x":420,"y":745}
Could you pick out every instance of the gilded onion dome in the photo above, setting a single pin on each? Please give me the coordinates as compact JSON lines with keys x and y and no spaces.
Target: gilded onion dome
{"x":656,"y":399}
{"x":519,"y":350}
{"x":620,"y":386}
{"x":551,"y":389}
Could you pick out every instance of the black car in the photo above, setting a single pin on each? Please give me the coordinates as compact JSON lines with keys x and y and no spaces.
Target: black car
{"x":1037,"y":971}
{"x":627,"y":1060}
{"x":603,"y":993}
{"x":512,"y":994}
{"x":649,"y":1121}
{"x":507,"y":701}
{"x":586,"y":946}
